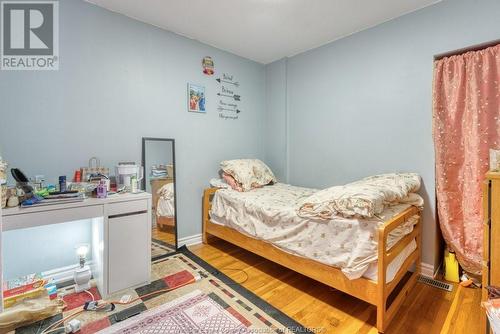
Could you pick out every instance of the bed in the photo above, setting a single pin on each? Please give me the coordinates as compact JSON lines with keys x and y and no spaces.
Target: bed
{"x":165,"y":206}
{"x":343,"y":253}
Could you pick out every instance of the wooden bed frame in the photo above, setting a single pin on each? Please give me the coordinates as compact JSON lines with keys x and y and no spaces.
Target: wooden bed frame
{"x":164,"y":222}
{"x":372,"y":292}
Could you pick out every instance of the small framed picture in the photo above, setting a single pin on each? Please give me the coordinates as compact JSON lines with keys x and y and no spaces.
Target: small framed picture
{"x":196,"y":98}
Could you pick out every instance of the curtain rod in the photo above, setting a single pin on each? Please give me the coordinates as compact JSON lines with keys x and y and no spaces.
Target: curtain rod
{"x":467,"y":49}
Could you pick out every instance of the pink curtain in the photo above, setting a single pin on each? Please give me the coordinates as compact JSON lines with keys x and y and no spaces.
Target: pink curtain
{"x":466,"y":107}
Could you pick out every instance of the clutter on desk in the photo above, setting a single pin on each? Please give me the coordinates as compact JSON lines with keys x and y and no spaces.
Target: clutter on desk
{"x":62,"y":183}
{"x":96,"y":180}
{"x":13,"y":201}
{"x":128,"y":175}
{"x":91,"y":181}
{"x":78,"y":176}
{"x":38,"y":200}
{"x":102,"y":189}
{"x":82,"y":187}
{"x":22,"y":182}
{"x":94,"y":168}
{"x":37,"y":182}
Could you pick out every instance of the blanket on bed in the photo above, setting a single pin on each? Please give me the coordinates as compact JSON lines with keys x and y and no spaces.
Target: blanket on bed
{"x":165,"y":206}
{"x":269,"y":214}
{"x":365,"y":198}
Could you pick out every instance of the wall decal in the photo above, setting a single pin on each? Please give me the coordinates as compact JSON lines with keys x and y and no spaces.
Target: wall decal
{"x":228,"y":97}
{"x":196,"y":98}
{"x":219,"y":80}
{"x":235,"y":97}
{"x":208,"y":65}
{"x":227,"y":109}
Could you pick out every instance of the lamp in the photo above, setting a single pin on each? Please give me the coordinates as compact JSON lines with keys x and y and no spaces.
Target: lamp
{"x":82,"y":274}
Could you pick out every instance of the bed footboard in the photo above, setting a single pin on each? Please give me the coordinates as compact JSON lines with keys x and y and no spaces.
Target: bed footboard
{"x":375,"y":293}
{"x":385,"y":312}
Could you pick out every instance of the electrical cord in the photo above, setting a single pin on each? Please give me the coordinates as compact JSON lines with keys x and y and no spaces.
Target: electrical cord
{"x":53,"y":327}
{"x":55,"y":330}
{"x":104,"y":304}
{"x":218,"y":272}
{"x":152,"y":293}
{"x":62,"y":321}
{"x":90,"y":294}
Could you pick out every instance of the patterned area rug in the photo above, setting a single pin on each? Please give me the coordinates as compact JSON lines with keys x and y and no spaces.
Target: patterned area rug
{"x":213,"y":304}
{"x":193,"y":313}
{"x":160,"y":248}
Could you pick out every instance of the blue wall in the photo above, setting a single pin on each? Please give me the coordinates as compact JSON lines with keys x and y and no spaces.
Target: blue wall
{"x":44,"y":248}
{"x":121,"y":80}
{"x":354,"y":107}
{"x":275,"y":131}
{"x":363,"y":104}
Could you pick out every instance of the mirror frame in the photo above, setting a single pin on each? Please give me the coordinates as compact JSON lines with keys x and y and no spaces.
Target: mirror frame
{"x":144,"y":140}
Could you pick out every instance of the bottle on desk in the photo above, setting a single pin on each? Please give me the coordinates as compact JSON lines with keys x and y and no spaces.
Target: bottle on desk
{"x":102,"y":189}
{"x":62,"y":183}
{"x":133,"y":185}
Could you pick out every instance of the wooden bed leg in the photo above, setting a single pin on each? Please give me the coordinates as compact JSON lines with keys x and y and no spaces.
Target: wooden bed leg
{"x":381,"y":318}
{"x":207,"y":197}
{"x":381,"y":278}
{"x":204,"y":238}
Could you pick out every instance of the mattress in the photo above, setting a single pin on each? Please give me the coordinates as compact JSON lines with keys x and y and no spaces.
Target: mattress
{"x":350,"y":244}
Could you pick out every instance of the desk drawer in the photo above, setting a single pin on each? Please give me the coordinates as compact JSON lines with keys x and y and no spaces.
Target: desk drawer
{"x":40,"y":218}
{"x":121,"y":208}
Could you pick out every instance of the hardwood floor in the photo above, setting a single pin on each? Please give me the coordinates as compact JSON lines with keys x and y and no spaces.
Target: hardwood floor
{"x":315,"y":305}
{"x":463,"y":313}
{"x":167,"y":235}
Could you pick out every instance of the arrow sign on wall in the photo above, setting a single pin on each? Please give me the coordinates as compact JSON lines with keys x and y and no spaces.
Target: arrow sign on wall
{"x":227,"y":109}
{"x":219,"y":80}
{"x":235,"y":97}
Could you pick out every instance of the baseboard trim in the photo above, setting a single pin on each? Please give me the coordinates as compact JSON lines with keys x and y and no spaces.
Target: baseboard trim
{"x":63,"y":274}
{"x":428,"y":270}
{"x":190,"y":240}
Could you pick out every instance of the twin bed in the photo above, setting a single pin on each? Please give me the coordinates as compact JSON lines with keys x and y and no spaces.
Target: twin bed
{"x":165,"y":206}
{"x":368,"y":258}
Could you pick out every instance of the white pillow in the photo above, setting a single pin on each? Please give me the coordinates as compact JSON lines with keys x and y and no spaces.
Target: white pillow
{"x":250,"y":173}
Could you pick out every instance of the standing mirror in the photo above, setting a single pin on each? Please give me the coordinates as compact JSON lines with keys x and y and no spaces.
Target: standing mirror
{"x":158,"y":159}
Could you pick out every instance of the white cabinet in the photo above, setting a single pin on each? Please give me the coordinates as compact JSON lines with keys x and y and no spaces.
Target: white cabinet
{"x":121,"y":235}
{"x":129,"y":251}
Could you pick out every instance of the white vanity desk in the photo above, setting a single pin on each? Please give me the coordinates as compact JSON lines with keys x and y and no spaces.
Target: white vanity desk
{"x":121,"y":235}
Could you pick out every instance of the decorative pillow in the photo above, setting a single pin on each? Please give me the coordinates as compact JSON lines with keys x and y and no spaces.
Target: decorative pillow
{"x":249,"y":173}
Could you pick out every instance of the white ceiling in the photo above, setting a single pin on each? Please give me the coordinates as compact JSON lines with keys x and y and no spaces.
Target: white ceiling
{"x":264,"y":30}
